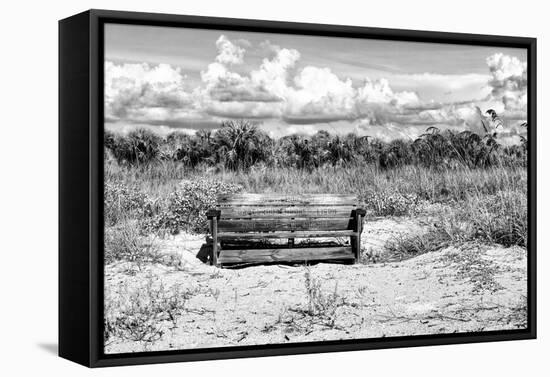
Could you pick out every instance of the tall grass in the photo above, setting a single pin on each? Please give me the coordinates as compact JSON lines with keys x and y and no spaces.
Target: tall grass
{"x":492,"y":201}
{"x":162,"y":178}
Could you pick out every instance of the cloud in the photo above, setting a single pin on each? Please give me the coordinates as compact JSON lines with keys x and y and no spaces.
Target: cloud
{"x":257,"y":95}
{"x":296,"y":97}
{"x":249,"y":110}
{"x":445,"y":87}
{"x":228,"y":52}
{"x":509,"y":81}
{"x":318,"y":93}
{"x":278,"y":88}
{"x":273,"y":74}
{"x":141,"y":89}
{"x":223,"y":85}
{"x":380,"y":92}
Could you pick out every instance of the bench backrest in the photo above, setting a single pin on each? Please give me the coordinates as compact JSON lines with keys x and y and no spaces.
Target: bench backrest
{"x":292,"y":212}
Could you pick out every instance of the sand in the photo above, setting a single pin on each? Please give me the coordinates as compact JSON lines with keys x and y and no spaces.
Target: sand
{"x":456,"y":290}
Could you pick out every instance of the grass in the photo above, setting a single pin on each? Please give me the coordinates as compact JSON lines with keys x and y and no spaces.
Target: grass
{"x":146,"y":200}
{"x":144,"y":313}
{"x":162,"y":178}
{"x":405,"y":247}
{"x":124,"y":242}
{"x":470,"y":264}
{"x":320,"y":309}
{"x":319,"y":304}
{"x":500,"y":218}
{"x":489,"y":204}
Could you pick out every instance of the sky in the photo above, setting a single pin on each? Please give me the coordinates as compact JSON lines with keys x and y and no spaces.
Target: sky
{"x":167,"y":78}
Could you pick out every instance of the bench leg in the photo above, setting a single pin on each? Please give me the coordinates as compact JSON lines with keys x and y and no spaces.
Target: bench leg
{"x":357,"y":245}
{"x":291,"y":243}
{"x":214,"y":230}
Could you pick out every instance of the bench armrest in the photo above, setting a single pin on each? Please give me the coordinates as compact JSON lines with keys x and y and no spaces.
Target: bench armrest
{"x":211,"y":213}
{"x":360,"y":212}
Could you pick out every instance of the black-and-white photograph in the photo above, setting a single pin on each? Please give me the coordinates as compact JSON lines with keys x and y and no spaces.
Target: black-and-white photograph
{"x":271,"y":188}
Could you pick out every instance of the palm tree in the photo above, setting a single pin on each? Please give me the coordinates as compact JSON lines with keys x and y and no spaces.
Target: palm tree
{"x":240,"y":144}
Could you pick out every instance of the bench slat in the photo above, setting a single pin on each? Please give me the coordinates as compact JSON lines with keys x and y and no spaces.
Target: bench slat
{"x":254,"y":225}
{"x":290,"y":199}
{"x":253,"y":196}
{"x":299,"y":234}
{"x":285,"y":255}
{"x":279,"y":204}
{"x":285,"y":212}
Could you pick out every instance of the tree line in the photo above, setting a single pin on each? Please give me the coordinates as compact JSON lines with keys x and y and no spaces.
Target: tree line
{"x":239,"y":145}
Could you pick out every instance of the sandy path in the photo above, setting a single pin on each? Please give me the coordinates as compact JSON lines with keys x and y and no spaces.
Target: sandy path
{"x":471,"y":288}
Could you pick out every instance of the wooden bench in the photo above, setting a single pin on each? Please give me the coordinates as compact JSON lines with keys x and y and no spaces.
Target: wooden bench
{"x":240,"y":221}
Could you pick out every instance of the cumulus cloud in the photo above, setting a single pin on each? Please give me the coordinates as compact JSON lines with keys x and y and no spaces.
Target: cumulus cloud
{"x":273,"y":74}
{"x":229,"y":52}
{"x":304,"y":98}
{"x":451,"y":87}
{"x":319,"y":93}
{"x":143,"y":90}
{"x":504,"y":90}
{"x":258,"y":94}
{"x":380,"y":92}
{"x":508,"y":81}
{"x":279,"y":88}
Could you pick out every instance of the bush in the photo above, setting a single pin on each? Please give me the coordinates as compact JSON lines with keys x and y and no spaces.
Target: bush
{"x":139,"y":146}
{"x":404,"y":247}
{"x":186,"y":207}
{"x":124,"y":243}
{"x":500,"y":218}
{"x":390,"y":203}
{"x":319,"y":304}
{"x":122,"y":202}
{"x":239,"y":145}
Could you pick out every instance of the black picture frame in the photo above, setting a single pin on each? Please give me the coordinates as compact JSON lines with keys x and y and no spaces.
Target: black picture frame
{"x":81,"y":186}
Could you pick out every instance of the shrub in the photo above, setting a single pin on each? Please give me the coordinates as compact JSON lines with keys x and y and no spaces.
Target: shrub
{"x":404,"y":247}
{"x":186,"y":207}
{"x":239,"y":145}
{"x":390,"y":203}
{"x":139,"y":146}
{"x":124,"y":243}
{"x":122,"y":202}
{"x":321,"y":305}
{"x":500,"y":218}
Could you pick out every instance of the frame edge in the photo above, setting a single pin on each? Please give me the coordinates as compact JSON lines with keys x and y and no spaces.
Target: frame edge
{"x":74,"y":184}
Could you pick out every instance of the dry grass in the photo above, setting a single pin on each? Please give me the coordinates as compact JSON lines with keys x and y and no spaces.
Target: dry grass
{"x":124,"y":242}
{"x":144,"y":313}
{"x":489,"y":204}
{"x":404,"y":247}
{"x":160,"y":179}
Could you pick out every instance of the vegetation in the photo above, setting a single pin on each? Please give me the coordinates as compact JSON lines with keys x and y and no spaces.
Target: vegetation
{"x":145,"y":313}
{"x":472,"y":189}
{"x":185,"y":208}
{"x":320,"y":305}
{"x":404,"y":247}
{"x":239,"y":145}
{"x":166,"y":184}
{"x":124,"y":243}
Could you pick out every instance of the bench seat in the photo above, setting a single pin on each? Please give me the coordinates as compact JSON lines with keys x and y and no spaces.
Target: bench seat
{"x":297,"y":234}
{"x":298,"y":254}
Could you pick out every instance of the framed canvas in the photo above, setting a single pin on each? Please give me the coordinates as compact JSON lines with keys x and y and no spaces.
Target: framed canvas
{"x":240,"y":188}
